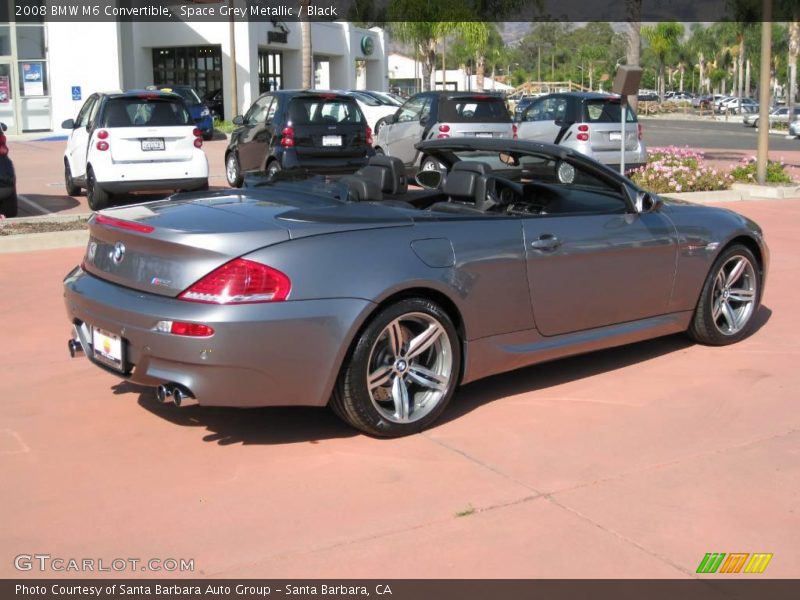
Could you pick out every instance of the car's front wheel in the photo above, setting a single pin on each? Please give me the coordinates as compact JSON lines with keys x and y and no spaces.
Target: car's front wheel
{"x":402,"y":371}
{"x":730,"y":297}
{"x":69,"y":183}
{"x":233,"y":172}
{"x":273,"y":168}
{"x":98,"y":198}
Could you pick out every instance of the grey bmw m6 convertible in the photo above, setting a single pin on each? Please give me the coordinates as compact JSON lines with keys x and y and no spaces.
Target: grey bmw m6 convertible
{"x":381,"y":300}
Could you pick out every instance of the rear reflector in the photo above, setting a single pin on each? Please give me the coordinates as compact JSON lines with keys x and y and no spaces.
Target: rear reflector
{"x":240,"y":281}
{"x":120,"y":224}
{"x":514,"y":131}
{"x":183,"y":328}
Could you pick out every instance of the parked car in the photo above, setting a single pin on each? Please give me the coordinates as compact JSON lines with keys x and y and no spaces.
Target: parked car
{"x":441,"y":115}
{"x":587,"y":122}
{"x":645,"y":96}
{"x":197,"y":108}
{"x":522,"y":104}
{"x":734,"y":104}
{"x":8,"y":179}
{"x":779,"y":114}
{"x":135,"y":141}
{"x":376,"y":109}
{"x":215,"y":101}
{"x":486,"y":270}
{"x":320,"y":131}
{"x":794,"y":128}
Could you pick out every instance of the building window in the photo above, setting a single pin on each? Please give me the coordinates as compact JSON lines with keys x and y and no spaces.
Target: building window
{"x":197,"y":66}
{"x":30,"y":42}
{"x":270,"y":71}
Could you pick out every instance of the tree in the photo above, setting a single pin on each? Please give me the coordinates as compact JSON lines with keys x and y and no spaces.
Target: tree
{"x":633,"y":52}
{"x":662,"y":39}
{"x":794,"y":49}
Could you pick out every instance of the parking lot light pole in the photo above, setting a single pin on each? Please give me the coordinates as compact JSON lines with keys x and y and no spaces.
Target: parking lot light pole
{"x":763,"y":94}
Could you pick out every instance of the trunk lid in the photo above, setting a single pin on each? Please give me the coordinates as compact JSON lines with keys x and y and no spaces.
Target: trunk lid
{"x":327,"y":125}
{"x":163,"y":247}
{"x":603,"y":116}
{"x":151,"y":144}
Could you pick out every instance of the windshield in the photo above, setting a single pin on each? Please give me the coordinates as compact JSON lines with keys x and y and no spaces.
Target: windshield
{"x":188,"y":94}
{"x":144,"y":111}
{"x":321,"y":110}
{"x":605,"y":111}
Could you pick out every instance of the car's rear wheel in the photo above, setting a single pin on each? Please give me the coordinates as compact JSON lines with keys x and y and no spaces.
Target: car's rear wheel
{"x":402,"y":371}
{"x":233,"y":172}
{"x":273,"y":168}
{"x":69,"y":183}
{"x":98,"y":198}
{"x":379,"y":125}
{"x":9,"y":206}
{"x":730,"y":298}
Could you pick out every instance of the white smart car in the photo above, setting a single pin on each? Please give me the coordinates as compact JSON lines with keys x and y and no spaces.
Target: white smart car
{"x":135,"y":141}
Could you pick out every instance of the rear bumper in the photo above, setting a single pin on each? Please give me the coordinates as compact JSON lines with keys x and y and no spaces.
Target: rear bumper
{"x":259,"y":355}
{"x":324,"y":165}
{"x":186,"y":184}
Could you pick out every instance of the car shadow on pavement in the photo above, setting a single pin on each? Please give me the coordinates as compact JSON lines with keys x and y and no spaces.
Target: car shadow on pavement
{"x":557,"y":372}
{"x":289,"y":425}
{"x":53,"y":203}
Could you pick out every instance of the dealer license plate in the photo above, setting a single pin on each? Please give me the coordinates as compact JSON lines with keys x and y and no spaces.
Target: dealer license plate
{"x":331,"y":140}
{"x":107,"y":348}
{"x":615,"y":136}
{"x":152,"y":144}
{"x":483,"y":134}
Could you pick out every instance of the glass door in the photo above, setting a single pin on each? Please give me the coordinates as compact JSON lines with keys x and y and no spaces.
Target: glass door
{"x":7,"y":105}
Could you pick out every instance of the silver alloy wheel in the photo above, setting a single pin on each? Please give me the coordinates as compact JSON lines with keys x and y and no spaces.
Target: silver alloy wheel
{"x":429,"y":165}
{"x":231,"y":168}
{"x":734,"y":295}
{"x":409,"y":368}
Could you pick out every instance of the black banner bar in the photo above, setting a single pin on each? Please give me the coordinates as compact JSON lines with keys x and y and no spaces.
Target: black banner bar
{"x":712,"y":588}
{"x":382,"y":11}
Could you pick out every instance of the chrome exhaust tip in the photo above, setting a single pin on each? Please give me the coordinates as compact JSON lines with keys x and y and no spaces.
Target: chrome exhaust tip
{"x":74,"y":347}
{"x":164,"y":393}
{"x":182,"y":396}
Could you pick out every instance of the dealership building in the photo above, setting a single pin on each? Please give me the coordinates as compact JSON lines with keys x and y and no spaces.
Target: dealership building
{"x":48,"y":70}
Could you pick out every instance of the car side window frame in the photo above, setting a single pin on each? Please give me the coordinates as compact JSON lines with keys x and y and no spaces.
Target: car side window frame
{"x":414,"y":113}
{"x":258,"y":108}
{"x":82,"y":120}
{"x":93,"y":113}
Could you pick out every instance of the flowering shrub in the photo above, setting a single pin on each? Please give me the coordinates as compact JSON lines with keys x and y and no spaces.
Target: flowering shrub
{"x":745,"y":172}
{"x":674,"y":169}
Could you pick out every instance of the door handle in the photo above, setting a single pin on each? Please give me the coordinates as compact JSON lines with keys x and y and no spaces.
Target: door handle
{"x":546,"y":241}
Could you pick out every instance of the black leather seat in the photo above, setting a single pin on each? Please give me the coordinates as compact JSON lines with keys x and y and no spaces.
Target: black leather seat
{"x":468,"y":187}
{"x":387,"y":172}
{"x":360,"y":189}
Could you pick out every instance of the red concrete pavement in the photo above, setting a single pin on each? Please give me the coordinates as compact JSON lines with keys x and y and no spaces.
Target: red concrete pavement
{"x":632,"y":462}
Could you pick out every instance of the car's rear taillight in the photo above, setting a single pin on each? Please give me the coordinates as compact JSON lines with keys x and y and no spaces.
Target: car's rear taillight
{"x":368,"y":135}
{"x":184,"y":328}
{"x":3,"y":145}
{"x":102,"y":136}
{"x":240,"y":281}
{"x":121,"y":224}
{"x":444,"y":131}
{"x":102,"y":146}
{"x":287,"y":137}
{"x":583,"y":136}
{"x":198,"y":137}
{"x":641,"y":131}
{"x":514,"y":131}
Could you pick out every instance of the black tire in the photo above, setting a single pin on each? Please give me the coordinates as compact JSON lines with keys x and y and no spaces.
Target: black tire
{"x":430,"y":164}
{"x":69,"y":183}
{"x":379,"y":151}
{"x":352,"y":400}
{"x":233,"y":172}
{"x":704,"y":327}
{"x":208,"y":136}
{"x":755,"y":124}
{"x":9,"y":206}
{"x":273,"y":168}
{"x":98,"y":198}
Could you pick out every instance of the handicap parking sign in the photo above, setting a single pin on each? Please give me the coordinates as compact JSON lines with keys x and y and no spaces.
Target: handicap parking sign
{"x":76,"y":92}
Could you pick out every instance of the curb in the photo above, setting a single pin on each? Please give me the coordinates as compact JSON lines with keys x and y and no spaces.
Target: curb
{"x":741,"y":191}
{"x":27,"y":242}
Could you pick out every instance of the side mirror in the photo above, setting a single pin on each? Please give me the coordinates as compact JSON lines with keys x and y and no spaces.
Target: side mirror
{"x":430,"y":180}
{"x":394,"y":117}
{"x":424,"y":120}
{"x":68,"y":124}
{"x":238,"y":120}
{"x":647,"y":203}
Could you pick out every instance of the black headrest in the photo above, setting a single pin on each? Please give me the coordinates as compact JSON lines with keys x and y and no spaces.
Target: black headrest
{"x":388,"y":172}
{"x":360,"y":189}
{"x":474,"y":166}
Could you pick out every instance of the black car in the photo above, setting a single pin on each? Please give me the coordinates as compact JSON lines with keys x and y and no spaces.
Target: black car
{"x":215,"y":101}
{"x":8,"y":179}
{"x":320,"y":132}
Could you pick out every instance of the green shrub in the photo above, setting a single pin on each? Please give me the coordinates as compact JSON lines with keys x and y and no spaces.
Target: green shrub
{"x":745,"y":172}
{"x":224,"y":126}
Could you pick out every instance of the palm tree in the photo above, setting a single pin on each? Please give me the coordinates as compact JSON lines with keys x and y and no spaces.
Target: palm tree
{"x":633,"y":55}
{"x":662,"y":39}
{"x":794,"y":49}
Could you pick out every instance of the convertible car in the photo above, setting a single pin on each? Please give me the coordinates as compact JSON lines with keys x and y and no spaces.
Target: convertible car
{"x":380,"y":300}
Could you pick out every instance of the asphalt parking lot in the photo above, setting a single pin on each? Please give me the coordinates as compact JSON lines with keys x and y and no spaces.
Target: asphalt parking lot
{"x":631,"y":462}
